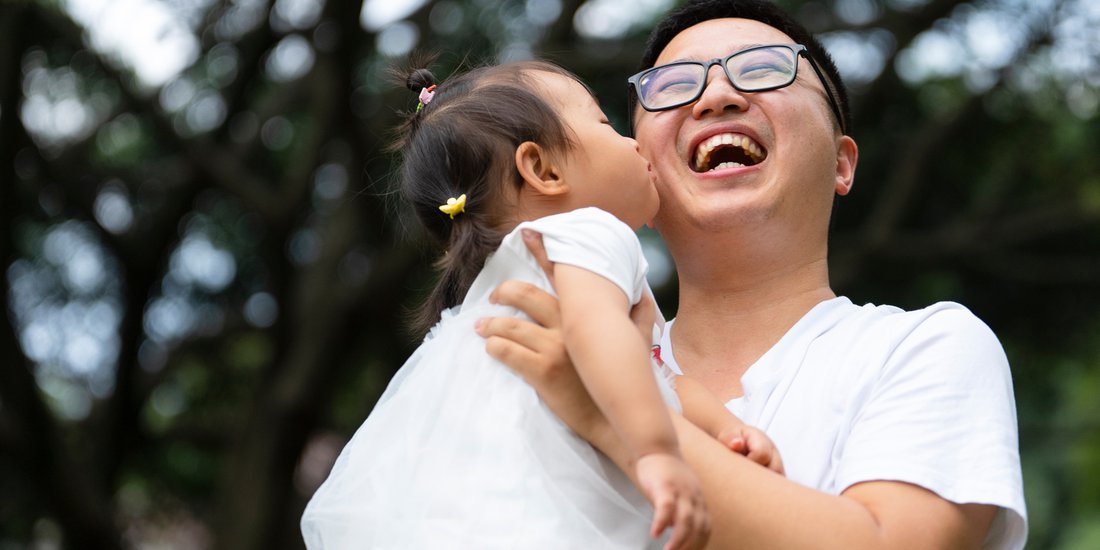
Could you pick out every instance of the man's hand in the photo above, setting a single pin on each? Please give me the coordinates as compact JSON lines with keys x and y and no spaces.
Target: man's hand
{"x":536,"y":351}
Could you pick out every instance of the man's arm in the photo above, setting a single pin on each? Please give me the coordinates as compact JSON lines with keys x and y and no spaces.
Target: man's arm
{"x":754,"y":508}
{"x":751,"y":507}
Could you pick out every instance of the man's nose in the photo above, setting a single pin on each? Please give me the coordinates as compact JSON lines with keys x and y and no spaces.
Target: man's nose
{"x":719,"y":95}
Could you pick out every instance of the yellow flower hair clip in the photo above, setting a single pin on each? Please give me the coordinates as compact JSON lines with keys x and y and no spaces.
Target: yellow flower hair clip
{"x":454,"y":206}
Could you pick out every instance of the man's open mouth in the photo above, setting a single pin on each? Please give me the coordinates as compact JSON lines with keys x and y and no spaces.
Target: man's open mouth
{"x":726,"y":151}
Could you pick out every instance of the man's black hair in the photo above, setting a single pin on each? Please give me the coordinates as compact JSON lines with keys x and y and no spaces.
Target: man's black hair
{"x":693,"y":13}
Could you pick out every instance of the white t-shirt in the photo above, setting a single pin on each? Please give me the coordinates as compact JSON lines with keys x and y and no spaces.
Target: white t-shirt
{"x":853,"y":394}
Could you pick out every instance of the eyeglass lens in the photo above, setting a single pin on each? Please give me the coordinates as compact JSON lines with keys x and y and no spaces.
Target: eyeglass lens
{"x":751,"y":70}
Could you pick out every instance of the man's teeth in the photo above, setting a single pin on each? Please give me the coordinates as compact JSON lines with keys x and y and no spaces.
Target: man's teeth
{"x":702,"y":154}
{"x":725,"y":165}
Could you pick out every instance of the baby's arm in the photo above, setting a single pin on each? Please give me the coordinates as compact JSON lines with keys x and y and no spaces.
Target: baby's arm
{"x":707,"y":412}
{"x":612,"y":360}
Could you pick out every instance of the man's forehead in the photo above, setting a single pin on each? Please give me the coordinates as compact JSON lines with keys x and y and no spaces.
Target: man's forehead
{"x":718,"y":38}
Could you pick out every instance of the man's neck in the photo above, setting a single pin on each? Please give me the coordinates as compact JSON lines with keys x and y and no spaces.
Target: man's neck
{"x":725,"y":323}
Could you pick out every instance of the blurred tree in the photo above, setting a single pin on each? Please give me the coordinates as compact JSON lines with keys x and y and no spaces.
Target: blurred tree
{"x":206,"y":268}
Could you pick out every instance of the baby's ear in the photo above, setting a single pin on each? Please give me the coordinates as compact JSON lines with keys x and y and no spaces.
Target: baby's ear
{"x":539,"y":169}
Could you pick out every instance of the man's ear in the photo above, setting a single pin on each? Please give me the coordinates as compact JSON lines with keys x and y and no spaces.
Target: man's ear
{"x":847,"y":154}
{"x":539,"y":170}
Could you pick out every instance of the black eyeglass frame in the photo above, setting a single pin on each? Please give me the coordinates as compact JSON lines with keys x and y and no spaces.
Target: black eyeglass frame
{"x":635,"y":81}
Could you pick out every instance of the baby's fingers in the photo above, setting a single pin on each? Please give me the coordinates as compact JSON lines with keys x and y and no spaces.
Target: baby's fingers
{"x":692,"y":526}
{"x":761,"y":450}
{"x":682,"y":534}
{"x":738,"y":445}
{"x":761,"y":456}
{"x":776,"y":464}
{"x":664,"y":512}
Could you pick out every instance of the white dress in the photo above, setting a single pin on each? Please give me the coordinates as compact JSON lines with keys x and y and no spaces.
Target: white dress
{"x":459,"y":452}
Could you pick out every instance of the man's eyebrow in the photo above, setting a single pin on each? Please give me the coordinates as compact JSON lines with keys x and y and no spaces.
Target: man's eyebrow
{"x":741,"y":48}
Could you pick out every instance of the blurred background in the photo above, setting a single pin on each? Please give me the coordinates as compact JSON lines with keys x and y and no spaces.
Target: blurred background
{"x":206,"y":269}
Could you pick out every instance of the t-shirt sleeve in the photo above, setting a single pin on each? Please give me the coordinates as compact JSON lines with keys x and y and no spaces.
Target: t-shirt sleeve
{"x":594,"y":240}
{"x":942,"y":416}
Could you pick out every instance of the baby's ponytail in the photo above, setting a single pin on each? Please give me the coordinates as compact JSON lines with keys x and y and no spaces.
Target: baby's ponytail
{"x":415,"y":77}
{"x":471,"y":244}
{"x":419,"y":79}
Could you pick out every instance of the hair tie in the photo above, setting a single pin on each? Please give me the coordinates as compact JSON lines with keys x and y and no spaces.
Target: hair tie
{"x":426,"y":95}
{"x":454,"y":206}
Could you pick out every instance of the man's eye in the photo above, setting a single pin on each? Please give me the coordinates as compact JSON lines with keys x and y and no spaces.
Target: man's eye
{"x":761,"y":68}
{"x":673,"y":82}
{"x":675,"y":85}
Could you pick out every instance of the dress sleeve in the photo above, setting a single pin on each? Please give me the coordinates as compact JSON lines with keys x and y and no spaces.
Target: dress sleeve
{"x":942,"y":416}
{"x":594,"y":240}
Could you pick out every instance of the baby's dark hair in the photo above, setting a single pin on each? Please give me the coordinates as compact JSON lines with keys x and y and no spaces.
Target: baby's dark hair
{"x":463,"y":142}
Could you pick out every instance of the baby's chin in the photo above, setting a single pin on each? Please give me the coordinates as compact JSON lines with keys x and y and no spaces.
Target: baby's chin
{"x":641,"y":221}
{"x":653,"y":209}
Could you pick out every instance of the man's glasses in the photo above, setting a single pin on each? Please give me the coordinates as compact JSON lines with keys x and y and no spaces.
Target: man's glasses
{"x":756,"y":69}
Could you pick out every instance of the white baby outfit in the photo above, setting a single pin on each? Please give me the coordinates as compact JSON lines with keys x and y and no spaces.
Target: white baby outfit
{"x":459,"y":452}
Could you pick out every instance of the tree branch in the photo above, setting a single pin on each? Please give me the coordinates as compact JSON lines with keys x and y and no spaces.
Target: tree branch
{"x":214,"y":162}
{"x":84,"y":513}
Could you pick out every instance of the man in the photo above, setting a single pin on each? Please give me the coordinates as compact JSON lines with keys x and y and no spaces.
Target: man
{"x":897,"y":429}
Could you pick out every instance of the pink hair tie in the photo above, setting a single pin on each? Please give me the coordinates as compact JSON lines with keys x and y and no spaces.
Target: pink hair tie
{"x":426,"y":95}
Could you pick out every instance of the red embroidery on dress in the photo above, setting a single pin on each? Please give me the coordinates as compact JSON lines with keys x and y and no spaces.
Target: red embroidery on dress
{"x":657,"y":354}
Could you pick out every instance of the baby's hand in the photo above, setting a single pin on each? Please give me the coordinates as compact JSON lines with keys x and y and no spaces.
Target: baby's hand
{"x":677,"y":500}
{"x":754,"y":444}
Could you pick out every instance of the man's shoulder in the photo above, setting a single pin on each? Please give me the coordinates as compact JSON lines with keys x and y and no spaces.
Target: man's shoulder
{"x":944,"y":340}
{"x":871,"y":339}
{"x":946,"y":319}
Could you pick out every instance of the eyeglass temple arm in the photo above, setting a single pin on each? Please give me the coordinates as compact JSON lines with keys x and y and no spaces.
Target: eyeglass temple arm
{"x":632,"y":101}
{"x":828,"y":91}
